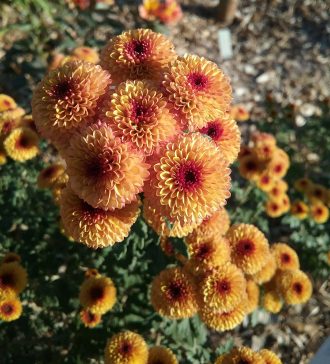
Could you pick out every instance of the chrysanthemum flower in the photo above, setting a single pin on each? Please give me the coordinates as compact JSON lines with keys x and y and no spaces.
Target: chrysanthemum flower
{"x":7,"y":103}
{"x":266,"y":273}
{"x":253,"y":294}
{"x":21,"y":144}
{"x":319,"y":213}
{"x":265,"y":181}
{"x":10,"y":258}
{"x":279,"y":164}
{"x":274,"y":208}
{"x":173,"y":294}
{"x":191,"y":179}
{"x":221,"y":289}
{"x":161,"y":355}
{"x":239,"y":113}
{"x":98,"y":294}
{"x":137,"y":54}
{"x":294,"y":286}
{"x":260,"y":138}
{"x":104,"y":171}
{"x":13,"y":277}
{"x":198,"y":90}
{"x":10,"y":308}
{"x":224,"y":321}
{"x":86,"y":54}
{"x":215,"y":225}
{"x":95,"y":227}
{"x":90,"y":319}
{"x":271,"y":300}
{"x":299,"y":209}
{"x":226,"y":135}
{"x":278,"y":190}
{"x":303,"y":184}
{"x":138,"y":113}
{"x":10,"y":119}
{"x":249,"y":247}
{"x":126,"y":348}
{"x":317,"y":193}
{"x":245,"y":151}
{"x":286,"y":258}
{"x":269,"y":357}
{"x":250,"y":167}
{"x":67,"y":98}
{"x":245,"y":355}
{"x":49,"y":175}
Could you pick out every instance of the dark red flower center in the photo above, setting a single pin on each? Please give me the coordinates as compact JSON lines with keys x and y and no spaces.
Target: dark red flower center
{"x":7,"y":309}
{"x":245,"y":247}
{"x":188,"y":176}
{"x":297,"y":287}
{"x":299,"y":208}
{"x":140,"y":113}
{"x":49,"y":172}
{"x":7,"y":103}
{"x":223,"y":286}
{"x":265,"y":179}
{"x":175,"y":291}
{"x":251,"y":166}
{"x":243,"y":361}
{"x":278,"y":168}
{"x":317,"y":192}
{"x":285,"y":258}
{"x":276,"y":191}
{"x":198,"y":81}
{"x":103,"y":165}
{"x":214,"y":130}
{"x":8,"y":126}
{"x":62,"y":89}
{"x":96,"y":293}
{"x":23,"y":142}
{"x":90,"y":317}
{"x":274,"y":206}
{"x":203,"y":251}
{"x":138,"y":49}
{"x":318,"y":211}
{"x":7,"y":280}
{"x":126,"y":348}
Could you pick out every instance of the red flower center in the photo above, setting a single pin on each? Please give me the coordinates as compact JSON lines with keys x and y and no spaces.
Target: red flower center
{"x":90,"y":214}
{"x":62,"y":89}
{"x":139,"y":112}
{"x":7,"y":126}
{"x":223,"y":286}
{"x":214,"y":130}
{"x":90,"y":317}
{"x":274,"y":206}
{"x":299,"y":209}
{"x":198,"y":81}
{"x":276,"y":191}
{"x":265,"y":179}
{"x":103,"y":165}
{"x":6,"y":103}
{"x":278,"y":168}
{"x":138,"y":50}
{"x":175,"y":291}
{"x":126,"y":348}
{"x":7,"y":309}
{"x":319,"y":211}
{"x":189,"y":176}
{"x":297,"y":287}
{"x":317,"y":193}
{"x":49,"y":172}
{"x":285,"y":258}
{"x":7,"y":280}
{"x":245,"y":247}
{"x":203,"y":251}
{"x":251,"y":166}
{"x":96,"y":293}
{"x":23,"y":142}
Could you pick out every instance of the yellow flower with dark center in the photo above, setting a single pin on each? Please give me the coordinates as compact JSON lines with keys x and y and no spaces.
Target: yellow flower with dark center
{"x":317,"y":193}
{"x":67,"y":98}
{"x":303,"y":184}
{"x":161,"y":355}
{"x":21,"y":144}
{"x":173,"y":294}
{"x":266,"y":273}
{"x":250,"y":167}
{"x":269,"y":357}
{"x":10,"y":308}
{"x":294,"y":286}
{"x":90,"y":319}
{"x":278,"y":190}
{"x":104,"y":171}
{"x":279,"y":164}
{"x":249,"y":247}
{"x":49,"y":175}
{"x":226,"y":135}
{"x":299,"y":209}
{"x":239,"y":113}
{"x":221,"y":289}
{"x":271,"y":299}
{"x":7,"y":103}
{"x":137,"y":54}
{"x":13,"y":278}
{"x":198,"y":90}
{"x":96,"y":228}
{"x":224,"y":321}
{"x":86,"y":54}
{"x":97,"y":294}
{"x":274,"y":208}
{"x":10,"y":119}
{"x":260,"y":139}
{"x":253,"y":294}
{"x":319,"y":213}
{"x":245,"y":355}
{"x":191,"y":179}
{"x":10,"y":258}
{"x":138,"y":113}
{"x":265,"y":182}
{"x":126,"y":348}
{"x":286,"y":258}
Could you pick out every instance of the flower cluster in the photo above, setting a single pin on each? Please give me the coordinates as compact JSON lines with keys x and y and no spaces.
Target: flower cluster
{"x":165,"y":11}
{"x":239,"y":113}
{"x":13,"y":280}
{"x":317,"y":198}
{"x":97,"y":296}
{"x":246,"y":355}
{"x":265,"y":164}
{"x":18,"y":139}
{"x":144,"y":120}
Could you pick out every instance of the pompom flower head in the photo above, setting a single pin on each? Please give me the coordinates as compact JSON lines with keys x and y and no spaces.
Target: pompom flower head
{"x":7,"y":103}
{"x":137,"y":113}
{"x":96,"y":228}
{"x":303,"y":184}
{"x":13,"y":278}
{"x":191,"y":179}
{"x":126,"y":348}
{"x":319,"y":212}
{"x":49,"y":175}
{"x":249,"y":247}
{"x":267,"y":272}
{"x":299,"y":209}
{"x":21,"y":144}
{"x":161,"y":355}
{"x":86,"y":54}
{"x":250,"y":167}
{"x":104,"y":171}
{"x":198,"y":90}
{"x":10,"y":308}
{"x":269,"y":357}
{"x":286,"y":258}
{"x":173,"y":294}
{"x":271,"y":299}
{"x":137,"y":54}
{"x":253,"y":293}
{"x":90,"y":319}
{"x":245,"y":355}
{"x":67,"y":98}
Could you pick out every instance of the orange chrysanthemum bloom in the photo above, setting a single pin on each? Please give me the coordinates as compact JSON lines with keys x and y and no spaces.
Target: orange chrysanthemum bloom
{"x":299,"y":209}
{"x":86,"y":54}
{"x":274,"y":208}
{"x":250,"y":167}
{"x":260,"y":138}
{"x":161,"y":355}
{"x":278,"y":190}
{"x":137,"y":54}
{"x":10,"y":119}
{"x":49,"y":175}
{"x":173,"y":294}
{"x":279,"y":164}
{"x":10,"y":308}
{"x":266,"y":273}
{"x":294,"y":286}
{"x":198,"y":90}
{"x":7,"y":103}
{"x":221,"y":289}
{"x":98,"y":294}
{"x":10,"y":258}
{"x":191,"y":179}
{"x":138,"y":113}
{"x":104,"y":171}
{"x":271,"y":299}
{"x":319,"y":213}
{"x":127,"y":347}
{"x":249,"y":247}
{"x":253,"y":293}
{"x":317,"y":193}
{"x":224,"y":321}
{"x":95,"y":227}
{"x":213,"y":226}
{"x":303,"y":184}
{"x":67,"y":98}
{"x":245,"y":355}
{"x":265,"y":182}
{"x":13,"y":278}
{"x":21,"y":144}
{"x":239,"y":113}
{"x":90,"y":319}
{"x":286,"y":258}
{"x":226,"y":135}
{"x":269,"y":357}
